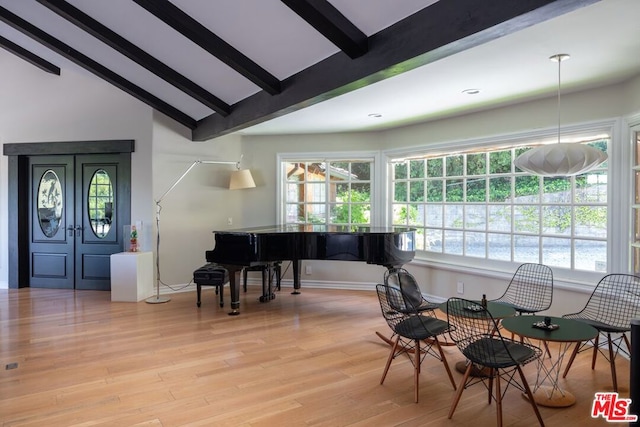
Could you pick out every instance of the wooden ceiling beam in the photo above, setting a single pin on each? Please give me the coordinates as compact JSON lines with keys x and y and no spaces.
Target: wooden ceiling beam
{"x":174,"y":17}
{"x":332,"y":24}
{"x":28,"y":56}
{"x":99,"y":70}
{"x":133,"y":52}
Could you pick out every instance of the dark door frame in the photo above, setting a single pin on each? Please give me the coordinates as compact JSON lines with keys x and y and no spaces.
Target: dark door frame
{"x":18,"y":192}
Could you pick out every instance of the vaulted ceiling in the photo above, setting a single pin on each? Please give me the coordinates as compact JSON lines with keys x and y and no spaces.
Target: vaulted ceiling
{"x":268,"y":66}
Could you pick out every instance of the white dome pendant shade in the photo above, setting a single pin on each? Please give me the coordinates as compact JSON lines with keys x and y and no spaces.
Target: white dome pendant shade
{"x":560,"y":159}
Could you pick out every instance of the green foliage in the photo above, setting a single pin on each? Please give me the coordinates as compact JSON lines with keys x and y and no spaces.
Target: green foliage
{"x":558,"y":218}
{"x":408,"y":215}
{"x":476,"y":178}
{"x":355,"y":210}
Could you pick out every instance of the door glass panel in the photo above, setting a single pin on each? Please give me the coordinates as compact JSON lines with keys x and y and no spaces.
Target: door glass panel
{"x":50,"y":203}
{"x":100,"y":203}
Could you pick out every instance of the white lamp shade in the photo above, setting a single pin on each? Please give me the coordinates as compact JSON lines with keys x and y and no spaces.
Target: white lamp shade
{"x":241,"y":179}
{"x":560,"y":159}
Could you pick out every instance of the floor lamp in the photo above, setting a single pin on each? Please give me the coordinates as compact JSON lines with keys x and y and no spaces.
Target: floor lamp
{"x":239,"y":179}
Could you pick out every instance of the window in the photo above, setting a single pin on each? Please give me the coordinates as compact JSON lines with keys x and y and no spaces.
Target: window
{"x":635,"y":207}
{"x":476,"y":204}
{"x":327,"y":191}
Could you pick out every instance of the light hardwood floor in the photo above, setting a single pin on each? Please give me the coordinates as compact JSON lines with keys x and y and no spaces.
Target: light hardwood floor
{"x":300,"y":360}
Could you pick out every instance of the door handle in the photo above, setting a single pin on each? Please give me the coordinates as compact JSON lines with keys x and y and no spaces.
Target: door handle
{"x":78,"y":229}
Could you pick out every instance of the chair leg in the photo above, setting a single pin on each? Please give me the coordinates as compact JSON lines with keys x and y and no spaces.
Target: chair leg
{"x":595,"y":351}
{"x":416,"y":369}
{"x":498,"y":398}
{"x":490,"y":387}
{"x":612,"y":362}
{"x":527,"y":390}
{"x":390,"y":358}
{"x":444,"y":361}
{"x":459,"y":390}
{"x":626,"y":341}
{"x":573,"y":356}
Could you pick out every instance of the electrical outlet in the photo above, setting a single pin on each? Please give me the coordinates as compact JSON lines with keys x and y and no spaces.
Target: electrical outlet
{"x":307,"y":269}
{"x":460,"y":287}
{"x":229,"y":221}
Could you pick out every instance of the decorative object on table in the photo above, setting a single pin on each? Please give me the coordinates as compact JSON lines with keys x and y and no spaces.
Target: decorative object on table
{"x":243,"y":180}
{"x":545,"y":326}
{"x":416,"y":333}
{"x":133,"y":239}
{"x":560,"y":159}
{"x":480,"y":341}
{"x":476,"y":307}
{"x":615,"y":301}
{"x":483,"y":301}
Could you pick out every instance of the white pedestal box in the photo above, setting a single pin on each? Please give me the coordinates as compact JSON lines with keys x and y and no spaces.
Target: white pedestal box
{"x":131,"y":276}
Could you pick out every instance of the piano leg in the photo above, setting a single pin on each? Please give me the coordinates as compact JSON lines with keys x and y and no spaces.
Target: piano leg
{"x":296,"y":277}
{"x":234,"y":288}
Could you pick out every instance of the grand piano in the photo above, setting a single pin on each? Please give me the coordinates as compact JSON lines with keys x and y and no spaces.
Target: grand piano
{"x":236,"y":249}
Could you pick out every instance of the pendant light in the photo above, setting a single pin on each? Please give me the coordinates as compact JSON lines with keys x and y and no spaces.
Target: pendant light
{"x":560,"y":159}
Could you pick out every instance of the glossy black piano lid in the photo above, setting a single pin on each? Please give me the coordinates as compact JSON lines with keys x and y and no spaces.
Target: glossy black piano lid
{"x":387,"y":246}
{"x":316,"y":228}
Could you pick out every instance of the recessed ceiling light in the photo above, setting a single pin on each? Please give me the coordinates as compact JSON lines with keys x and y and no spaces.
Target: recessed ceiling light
{"x":471,"y":91}
{"x":375,"y":115}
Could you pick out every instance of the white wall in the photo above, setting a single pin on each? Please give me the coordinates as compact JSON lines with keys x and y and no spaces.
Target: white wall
{"x":199,"y":204}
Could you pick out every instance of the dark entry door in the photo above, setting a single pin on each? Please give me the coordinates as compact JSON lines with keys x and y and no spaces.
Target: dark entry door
{"x":77,"y":212}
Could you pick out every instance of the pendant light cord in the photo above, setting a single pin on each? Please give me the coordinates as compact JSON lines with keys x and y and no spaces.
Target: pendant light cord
{"x":559,"y":58}
{"x":559,"y":66}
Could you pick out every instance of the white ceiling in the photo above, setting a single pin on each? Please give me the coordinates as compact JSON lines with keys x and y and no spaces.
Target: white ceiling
{"x":603,"y":40}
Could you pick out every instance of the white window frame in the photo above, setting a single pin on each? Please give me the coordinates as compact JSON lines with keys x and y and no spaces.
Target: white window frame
{"x":376,"y":184}
{"x":618,"y":204}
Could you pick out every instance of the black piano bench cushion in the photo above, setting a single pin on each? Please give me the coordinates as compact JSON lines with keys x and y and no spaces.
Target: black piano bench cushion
{"x":211,"y":274}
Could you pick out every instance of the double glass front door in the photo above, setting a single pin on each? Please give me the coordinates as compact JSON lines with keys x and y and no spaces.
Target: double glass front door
{"x":77,"y":210}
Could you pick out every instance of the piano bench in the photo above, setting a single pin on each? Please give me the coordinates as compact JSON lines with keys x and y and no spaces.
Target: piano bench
{"x":211,"y":274}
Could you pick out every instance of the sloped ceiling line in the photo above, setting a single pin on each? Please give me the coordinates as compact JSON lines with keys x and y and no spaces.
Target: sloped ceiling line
{"x":89,"y":64}
{"x":200,"y":35}
{"x":28,"y":56}
{"x":131,"y":51}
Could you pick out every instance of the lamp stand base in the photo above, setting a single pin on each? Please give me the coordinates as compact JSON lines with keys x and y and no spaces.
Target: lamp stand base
{"x":157,"y":300}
